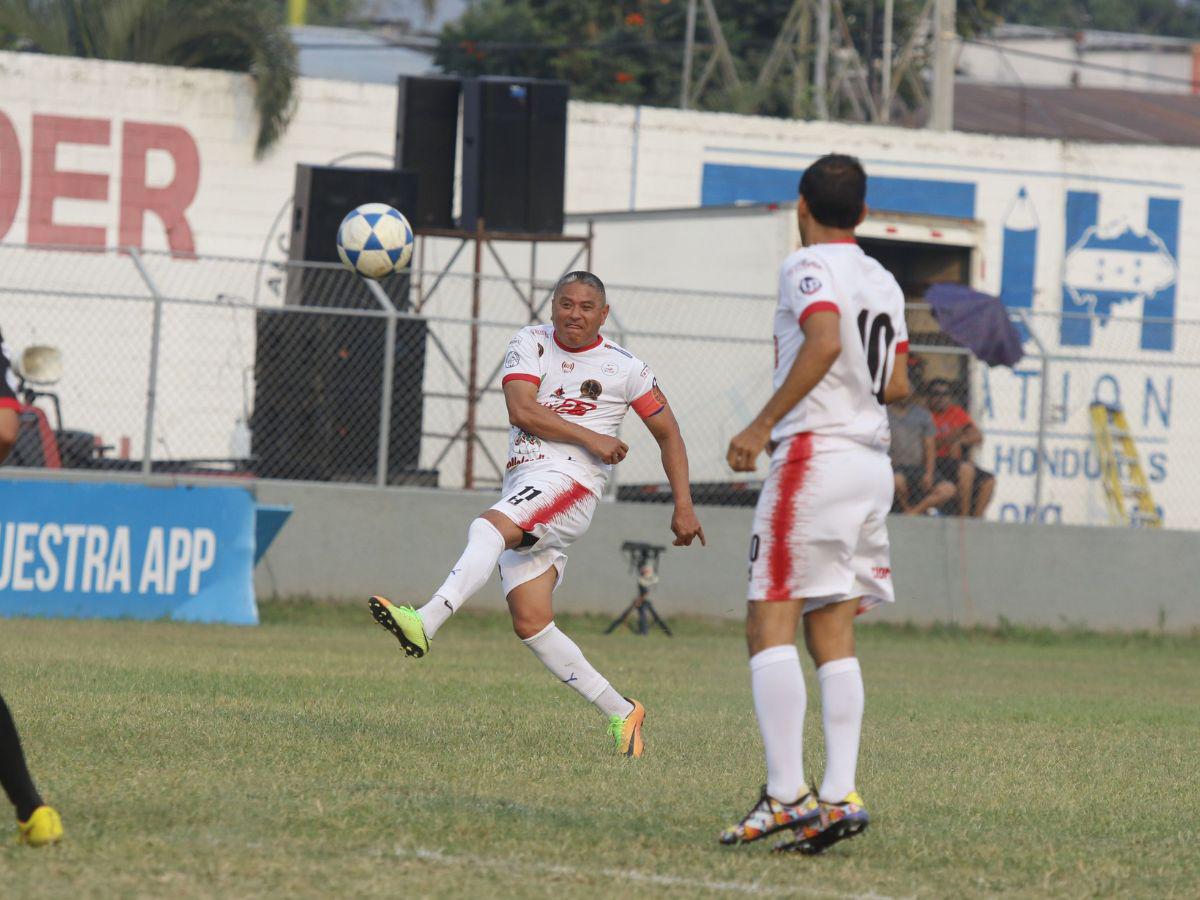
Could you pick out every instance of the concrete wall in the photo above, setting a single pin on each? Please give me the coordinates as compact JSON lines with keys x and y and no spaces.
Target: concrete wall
{"x":349,"y":542}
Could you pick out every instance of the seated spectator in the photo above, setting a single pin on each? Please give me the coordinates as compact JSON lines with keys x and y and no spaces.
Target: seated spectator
{"x":957,"y":434}
{"x":919,"y":488}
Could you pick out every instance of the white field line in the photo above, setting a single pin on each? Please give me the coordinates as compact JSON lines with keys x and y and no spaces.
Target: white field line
{"x":751,"y":888}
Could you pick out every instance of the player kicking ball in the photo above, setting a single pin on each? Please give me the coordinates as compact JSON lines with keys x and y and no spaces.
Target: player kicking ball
{"x":819,"y":549}
{"x":567,"y":389}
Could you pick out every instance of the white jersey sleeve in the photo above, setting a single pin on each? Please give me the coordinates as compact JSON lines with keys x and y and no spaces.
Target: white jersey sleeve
{"x":523,"y":358}
{"x":806,"y":286}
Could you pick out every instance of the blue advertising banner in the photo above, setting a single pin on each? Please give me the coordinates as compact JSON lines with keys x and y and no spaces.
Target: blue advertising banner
{"x":88,"y":550}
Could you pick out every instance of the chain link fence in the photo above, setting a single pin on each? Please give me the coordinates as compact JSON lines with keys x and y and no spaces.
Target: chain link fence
{"x":305,"y":371}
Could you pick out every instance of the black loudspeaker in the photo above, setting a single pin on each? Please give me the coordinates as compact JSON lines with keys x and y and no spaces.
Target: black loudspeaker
{"x":323,"y":195}
{"x":514,"y":154}
{"x":318,"y":384}
{"x":426,"y":138}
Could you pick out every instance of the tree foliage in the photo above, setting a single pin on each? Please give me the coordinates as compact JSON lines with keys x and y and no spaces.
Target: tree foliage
{"x":233,"y":35}
{"x":631,"y":51}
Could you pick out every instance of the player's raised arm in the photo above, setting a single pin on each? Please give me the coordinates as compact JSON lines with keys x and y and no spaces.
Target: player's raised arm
{"x":526,"y":413}
{"x":822,"y":344}
{"x":662,"y":424}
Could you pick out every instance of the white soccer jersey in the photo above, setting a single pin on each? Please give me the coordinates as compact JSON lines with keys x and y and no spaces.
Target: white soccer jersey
{"x":594,"y":386}
{"x":848,"y":402}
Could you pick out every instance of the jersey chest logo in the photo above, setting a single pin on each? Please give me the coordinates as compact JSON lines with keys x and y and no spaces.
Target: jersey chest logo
{"x":571,"y":407}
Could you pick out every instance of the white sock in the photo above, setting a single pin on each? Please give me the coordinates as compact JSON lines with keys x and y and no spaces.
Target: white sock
{"x":779,"y":702}
{"x":842,"y":712}
{"x":470,"y":573}
{"x":562,"y":656}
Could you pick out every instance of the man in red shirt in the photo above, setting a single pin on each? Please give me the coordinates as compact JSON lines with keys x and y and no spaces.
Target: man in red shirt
{"x":957,"y":434}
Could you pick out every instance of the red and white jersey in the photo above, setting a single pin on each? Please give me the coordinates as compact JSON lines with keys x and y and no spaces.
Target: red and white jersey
{"x":848,"y":401}
{"x":592,"y":386}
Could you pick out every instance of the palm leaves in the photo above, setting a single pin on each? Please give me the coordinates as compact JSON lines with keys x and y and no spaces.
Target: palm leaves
{"x":233,"y":35}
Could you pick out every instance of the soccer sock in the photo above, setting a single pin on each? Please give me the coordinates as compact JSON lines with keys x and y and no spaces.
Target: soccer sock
{"x":14,"y":776}
{"x":777,"y":684}
{"x":841,"y":711}
{"x":562,"y":656}
{"x":470,"y":573}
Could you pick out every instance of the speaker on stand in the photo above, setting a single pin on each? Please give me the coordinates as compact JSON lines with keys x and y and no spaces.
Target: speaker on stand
{"x":319,"y":376}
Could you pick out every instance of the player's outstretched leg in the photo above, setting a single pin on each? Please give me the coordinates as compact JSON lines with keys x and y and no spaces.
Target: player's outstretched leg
{"x":37,"y":824}
{"x":532,"y":613}
{"x":414,"y":628}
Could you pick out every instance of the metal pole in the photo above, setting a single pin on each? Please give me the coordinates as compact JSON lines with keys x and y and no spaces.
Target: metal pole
{"x":1043,"y":415}
{"x":591,"y":233}
{"x":885,"y":86}
{"x":389,"y":373}
{"x":689,"y":48}
{"x":152,"y":380}
{"x":532,"y":280}
{"x":941,"y":104}
{"x":821,"y":64}
{"x":473,"y":368}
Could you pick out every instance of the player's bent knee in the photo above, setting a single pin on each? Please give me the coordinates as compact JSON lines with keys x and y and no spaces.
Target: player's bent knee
{"x":509,"y":530}
{"x":525,"y":626}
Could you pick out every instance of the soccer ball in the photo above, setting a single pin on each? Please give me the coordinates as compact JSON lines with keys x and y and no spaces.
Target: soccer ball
{"x":375,"y":240}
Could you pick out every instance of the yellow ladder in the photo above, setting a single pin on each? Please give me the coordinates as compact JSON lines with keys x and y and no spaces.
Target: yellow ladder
{"x":1121,"y":470}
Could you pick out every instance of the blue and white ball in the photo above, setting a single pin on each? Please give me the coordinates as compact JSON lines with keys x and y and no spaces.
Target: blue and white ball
{"x":375,"y":240}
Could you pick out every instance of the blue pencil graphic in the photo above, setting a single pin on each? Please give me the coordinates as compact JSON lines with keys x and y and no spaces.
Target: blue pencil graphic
{"x":1019,"y":261}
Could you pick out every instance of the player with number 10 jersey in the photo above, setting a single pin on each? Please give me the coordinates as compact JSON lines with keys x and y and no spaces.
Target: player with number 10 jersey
{"x":819,"y":546}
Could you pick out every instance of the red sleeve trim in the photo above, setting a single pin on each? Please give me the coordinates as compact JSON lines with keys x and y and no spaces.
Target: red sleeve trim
{"x":819,"y":306}
{"x":902,"y":347}
{"x":10,"y":403}
{"x":520,"y":376}
{"x":647,"y":405}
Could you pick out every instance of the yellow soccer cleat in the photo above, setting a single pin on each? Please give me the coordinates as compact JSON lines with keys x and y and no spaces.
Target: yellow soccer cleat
{"x":41,"y":828}
{"x":403,"y":622}
{"x":627,"y":732}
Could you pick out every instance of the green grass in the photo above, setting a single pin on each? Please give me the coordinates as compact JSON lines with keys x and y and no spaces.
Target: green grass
{"x":307,"y":757}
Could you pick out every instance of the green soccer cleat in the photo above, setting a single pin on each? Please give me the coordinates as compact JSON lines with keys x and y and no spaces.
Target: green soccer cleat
{"x":403,"y":622}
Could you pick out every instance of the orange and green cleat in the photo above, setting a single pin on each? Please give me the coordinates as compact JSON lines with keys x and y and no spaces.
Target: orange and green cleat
{"x":837,"y":822}
{"x":403,"y":622}
{"x":627,"y":732}
{"x":768,"y":816}
{"x":41,"y":828}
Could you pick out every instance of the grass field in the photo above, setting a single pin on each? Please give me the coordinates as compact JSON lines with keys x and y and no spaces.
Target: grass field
{"x":307,"y":757}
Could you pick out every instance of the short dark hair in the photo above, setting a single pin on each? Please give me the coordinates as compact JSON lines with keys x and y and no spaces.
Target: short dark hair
{"x":835,"y":188}
{"x":939,"y":385}
{"x":583,"y":278}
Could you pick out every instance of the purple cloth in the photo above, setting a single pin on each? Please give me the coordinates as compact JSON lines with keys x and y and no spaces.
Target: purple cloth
{"x":976,"y":321}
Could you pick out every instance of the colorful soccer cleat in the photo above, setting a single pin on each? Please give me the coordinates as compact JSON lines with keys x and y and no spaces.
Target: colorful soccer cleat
{"x":41,"y":828}
{"x":837,"y":822}
{"x":768,"y":816}
{"x":403,"y":622}
{"x":627,"y":732}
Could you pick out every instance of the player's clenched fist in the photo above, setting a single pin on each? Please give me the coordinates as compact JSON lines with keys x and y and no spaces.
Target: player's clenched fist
{"x":609,"y":449}
{"x":745,"y":448}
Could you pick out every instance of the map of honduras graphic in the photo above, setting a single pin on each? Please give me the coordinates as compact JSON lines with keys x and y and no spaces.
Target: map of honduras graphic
{"x":1113,"y":264}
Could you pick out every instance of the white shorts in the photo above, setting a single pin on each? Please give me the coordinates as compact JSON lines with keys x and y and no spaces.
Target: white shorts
{"x":820,"y":527}
{"x":554,"y":508}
